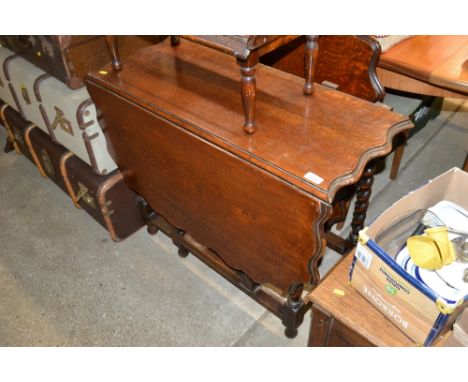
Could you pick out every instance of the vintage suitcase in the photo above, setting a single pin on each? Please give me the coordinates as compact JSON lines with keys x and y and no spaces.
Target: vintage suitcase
{"x":50,"y":157}
{"x":21,"y":76}
{"x":67,"y":115}
{"x":69,"y":58}
{"x":5,"y":93}
{"x":19,"y":133}
{"x":70,"y":118}
{"x":106,"y":198}
{"x":10,"y":143}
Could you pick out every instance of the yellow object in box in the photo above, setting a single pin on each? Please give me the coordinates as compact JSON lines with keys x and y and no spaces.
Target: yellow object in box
{"x":417,"y":310}
{"x":432,"y":251}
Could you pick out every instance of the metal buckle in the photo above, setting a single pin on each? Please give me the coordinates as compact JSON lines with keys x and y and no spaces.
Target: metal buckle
{"x":83,"y":194}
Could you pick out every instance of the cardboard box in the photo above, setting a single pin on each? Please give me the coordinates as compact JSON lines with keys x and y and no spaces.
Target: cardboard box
{"x":410,"y":304}
{"x":459,"y":335}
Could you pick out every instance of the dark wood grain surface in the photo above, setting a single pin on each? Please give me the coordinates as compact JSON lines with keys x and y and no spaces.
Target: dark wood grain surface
{"x":172,"y":115}
{"x":328,"y":133}
{"x":254,"y":221}
{"x":346,"y":61}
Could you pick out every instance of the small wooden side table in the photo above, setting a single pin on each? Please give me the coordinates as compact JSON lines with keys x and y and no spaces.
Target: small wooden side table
{"x":342,"y":317}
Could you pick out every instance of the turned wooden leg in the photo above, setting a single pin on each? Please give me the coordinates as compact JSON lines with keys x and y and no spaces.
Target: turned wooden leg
{"x":363,"y":193}
{"x":148,"y":216}
{"x":248,"y":89}
{"x":152,"y":230}
{"x":295,"y":295}
{"x":399,"y":149}
{"x":310,"y":58}
{"x":175,"y":40}
{"x":293,"y":310}
{"x":465,"y":165}
{"x":114,"y":52}
{"x":182,"y":251}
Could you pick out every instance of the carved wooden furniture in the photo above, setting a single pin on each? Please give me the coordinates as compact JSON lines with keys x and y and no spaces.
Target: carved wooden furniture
{"x":246,"y":50}
{"x":342,"y":317}
{"x":347,"y":63}
{"x":253,"y":207}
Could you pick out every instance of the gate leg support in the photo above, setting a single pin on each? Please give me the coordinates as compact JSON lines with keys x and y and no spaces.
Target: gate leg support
{"x":292,"y":312}
{"x":363,"y":193}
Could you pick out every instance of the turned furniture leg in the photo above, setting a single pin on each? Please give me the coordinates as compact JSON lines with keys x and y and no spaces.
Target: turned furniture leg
{"x":248,"y":89}
{"x":8,"y":146}
{"x":152,"y":230}
{"x":114,"y":52}
{"x":182,"y":251}
{"x":310,"y":58}
{"x":400,"y":147}
{"x":293,"y":312}
{"x":465,"y":165}
{"x":148,"y":216}
{"x":363,"y":193}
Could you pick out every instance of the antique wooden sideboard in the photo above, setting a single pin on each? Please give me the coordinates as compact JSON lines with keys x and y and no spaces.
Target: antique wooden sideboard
{"x":253,"y":207}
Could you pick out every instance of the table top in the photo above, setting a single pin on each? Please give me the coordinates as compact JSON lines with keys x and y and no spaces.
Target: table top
{"x":438,"y":60}
{"x":329,"y":135}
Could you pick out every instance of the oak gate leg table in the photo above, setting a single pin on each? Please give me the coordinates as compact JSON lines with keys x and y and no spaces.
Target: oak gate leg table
{"x":253,"y":207}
